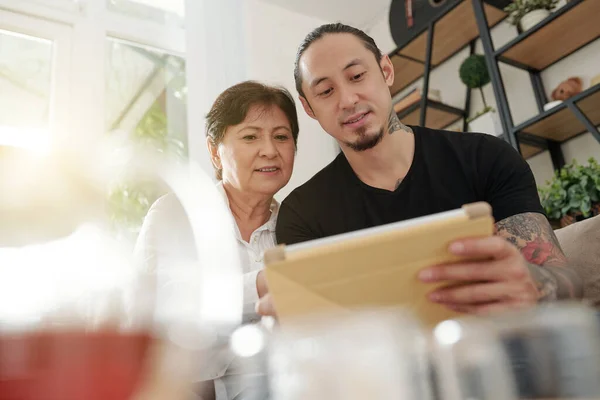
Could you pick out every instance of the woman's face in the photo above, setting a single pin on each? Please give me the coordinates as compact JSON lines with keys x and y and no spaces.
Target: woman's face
{"x":257,"y":155}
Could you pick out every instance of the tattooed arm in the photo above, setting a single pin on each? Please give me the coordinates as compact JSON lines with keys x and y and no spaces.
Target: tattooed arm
{"x":532,"y":234}
{"x":518,"y":267}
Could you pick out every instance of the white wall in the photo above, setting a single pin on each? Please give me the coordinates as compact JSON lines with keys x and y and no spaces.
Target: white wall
{"x":273,"y":36}
{"x":583,"y":63}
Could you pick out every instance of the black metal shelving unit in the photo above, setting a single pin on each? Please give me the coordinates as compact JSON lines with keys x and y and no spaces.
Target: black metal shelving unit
{"x":540,"y":47}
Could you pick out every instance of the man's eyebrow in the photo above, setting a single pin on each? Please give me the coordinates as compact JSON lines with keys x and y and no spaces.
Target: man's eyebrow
{"x":316,"y":81}
{"x":351,"y":64}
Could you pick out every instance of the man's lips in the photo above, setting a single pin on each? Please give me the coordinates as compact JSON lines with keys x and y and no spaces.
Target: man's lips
{"x":355,"y":118}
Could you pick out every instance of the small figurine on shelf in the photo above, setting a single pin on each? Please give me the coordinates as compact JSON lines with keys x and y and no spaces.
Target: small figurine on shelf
{"x":564,"y":90}
{"x":567,"y":89}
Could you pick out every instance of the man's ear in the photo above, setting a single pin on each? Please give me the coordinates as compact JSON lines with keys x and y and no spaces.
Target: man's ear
{"x":307,"y":107}
{"x":387,"y":68}
{"x":214,"y":153}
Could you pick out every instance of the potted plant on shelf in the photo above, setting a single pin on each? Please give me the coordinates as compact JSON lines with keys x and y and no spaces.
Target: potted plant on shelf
{"x":474,"y":74}
{"x":527,"y":13}
{"x":573,"y":194}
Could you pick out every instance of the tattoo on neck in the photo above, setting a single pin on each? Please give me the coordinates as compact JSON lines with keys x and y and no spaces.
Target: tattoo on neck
{"x":394,"y":124}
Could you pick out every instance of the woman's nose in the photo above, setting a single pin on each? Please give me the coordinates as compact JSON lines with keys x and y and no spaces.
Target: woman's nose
{"x":268,"y":148}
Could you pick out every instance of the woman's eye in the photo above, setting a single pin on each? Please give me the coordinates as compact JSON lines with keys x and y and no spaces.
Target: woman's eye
{"x":249,"y":137}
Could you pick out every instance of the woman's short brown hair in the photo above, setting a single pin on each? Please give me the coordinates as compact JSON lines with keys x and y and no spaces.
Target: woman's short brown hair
{"x":232,"y":106}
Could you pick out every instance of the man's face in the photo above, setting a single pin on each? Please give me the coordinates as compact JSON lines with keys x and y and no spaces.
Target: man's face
{"x":347,"y":90}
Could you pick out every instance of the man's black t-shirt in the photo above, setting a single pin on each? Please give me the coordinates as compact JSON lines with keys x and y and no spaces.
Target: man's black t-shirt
{"x":449,"y":169}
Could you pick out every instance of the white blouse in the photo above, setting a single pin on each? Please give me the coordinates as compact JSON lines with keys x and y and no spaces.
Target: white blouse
{"x":166,"y":239}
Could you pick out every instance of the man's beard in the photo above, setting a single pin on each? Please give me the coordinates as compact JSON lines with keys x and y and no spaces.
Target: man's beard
{"x":365,"y":142}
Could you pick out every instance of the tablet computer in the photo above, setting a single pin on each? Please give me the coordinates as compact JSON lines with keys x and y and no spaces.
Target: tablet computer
{"x":374,"y":267}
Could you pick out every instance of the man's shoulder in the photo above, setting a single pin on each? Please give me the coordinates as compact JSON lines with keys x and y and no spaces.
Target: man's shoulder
{"x":461,"y":142}
{"x":320,"y":184}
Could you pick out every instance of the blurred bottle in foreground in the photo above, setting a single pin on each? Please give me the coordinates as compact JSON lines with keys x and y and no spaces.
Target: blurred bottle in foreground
{"x":72,"y":325}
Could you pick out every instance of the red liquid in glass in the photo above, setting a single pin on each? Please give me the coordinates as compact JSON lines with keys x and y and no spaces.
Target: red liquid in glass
{"x":72,"y":365}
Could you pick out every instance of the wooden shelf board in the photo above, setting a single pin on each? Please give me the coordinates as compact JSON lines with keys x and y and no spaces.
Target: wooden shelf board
{"x":405,"y":72}
{"x":560,"y":37}
{"x":528,"y":151}
{"x":452,"y":32}
{"x":563,"y":125}
{"x":437,"y":118}
{"x":559,"y":126}
{"x":590,"y":106}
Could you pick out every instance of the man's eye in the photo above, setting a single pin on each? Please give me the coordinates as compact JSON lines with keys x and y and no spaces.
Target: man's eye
{"x":358,"y":76}
{"x":326,"y":92}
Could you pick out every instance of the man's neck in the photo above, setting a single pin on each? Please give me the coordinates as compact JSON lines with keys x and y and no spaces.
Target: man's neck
{"x":385,"y":165}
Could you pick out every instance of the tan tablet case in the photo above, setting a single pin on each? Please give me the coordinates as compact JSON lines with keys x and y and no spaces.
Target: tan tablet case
{"x":371,"y":268}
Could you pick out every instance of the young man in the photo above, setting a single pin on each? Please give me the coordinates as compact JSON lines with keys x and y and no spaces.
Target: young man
{"x":390,"y":172}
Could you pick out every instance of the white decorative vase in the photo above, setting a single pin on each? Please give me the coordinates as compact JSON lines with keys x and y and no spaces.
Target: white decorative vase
{"x":487,"y":123}
{"x":533,"y":18}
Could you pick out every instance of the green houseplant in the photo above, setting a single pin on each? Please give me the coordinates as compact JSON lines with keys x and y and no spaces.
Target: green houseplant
{"x":573,"y":193}
{"x":130,"y":200}
{"x":527,"y":13}
{"x":474,"y":74}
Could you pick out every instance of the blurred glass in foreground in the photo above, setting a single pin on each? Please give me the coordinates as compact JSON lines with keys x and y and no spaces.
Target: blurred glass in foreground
{"x":549,"y":351}
{"x":71,"y":327}
{"x":370,"y":354}
{"x":554,"y":350}
{"x":470,"y":362}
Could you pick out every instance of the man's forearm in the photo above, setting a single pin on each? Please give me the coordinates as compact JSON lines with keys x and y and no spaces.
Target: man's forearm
{"x":532,"y":234}
{"x":556,"y":283}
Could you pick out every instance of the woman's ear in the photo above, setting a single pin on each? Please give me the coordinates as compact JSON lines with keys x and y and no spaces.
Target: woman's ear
{"x":213,"y":150}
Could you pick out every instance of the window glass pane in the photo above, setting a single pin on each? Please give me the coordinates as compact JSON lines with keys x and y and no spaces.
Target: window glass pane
{"x":166,"y":12}
{"x":146,"y":102}
{"x":25,"y":87}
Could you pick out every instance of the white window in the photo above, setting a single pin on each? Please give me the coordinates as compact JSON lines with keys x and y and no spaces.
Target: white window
{"x":34,"y":87}
{"x":75,"y":69}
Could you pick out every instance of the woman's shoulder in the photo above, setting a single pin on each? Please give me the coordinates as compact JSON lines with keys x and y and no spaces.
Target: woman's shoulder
{"x":165,"y":211}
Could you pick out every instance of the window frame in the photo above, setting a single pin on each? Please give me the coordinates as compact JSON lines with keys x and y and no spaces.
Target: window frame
{"x":79,"y":31}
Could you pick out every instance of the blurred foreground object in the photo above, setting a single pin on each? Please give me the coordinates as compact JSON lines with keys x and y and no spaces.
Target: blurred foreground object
{"x":554,"y":349}
{"x":71,"y":327}
{"x":470,"y":362}
{"x":371,"y":354}
{"x":550,"y":351}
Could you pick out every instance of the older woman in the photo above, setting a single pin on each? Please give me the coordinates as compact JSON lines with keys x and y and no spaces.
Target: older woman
{"x":251,"y":130}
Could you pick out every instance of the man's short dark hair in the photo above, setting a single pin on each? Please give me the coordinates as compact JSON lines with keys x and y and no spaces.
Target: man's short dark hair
{"x":232,"y":106}
{"x":323,"y":30}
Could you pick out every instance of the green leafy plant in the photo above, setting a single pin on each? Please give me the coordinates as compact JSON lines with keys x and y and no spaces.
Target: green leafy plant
{"x":518,"y":8}
{"x":129,"y":200}
{"x":574,"y":188}
{"x":474,"y":74}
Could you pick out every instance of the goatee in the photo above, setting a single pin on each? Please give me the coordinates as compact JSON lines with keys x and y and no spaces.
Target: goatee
{"x":365,"y":142}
